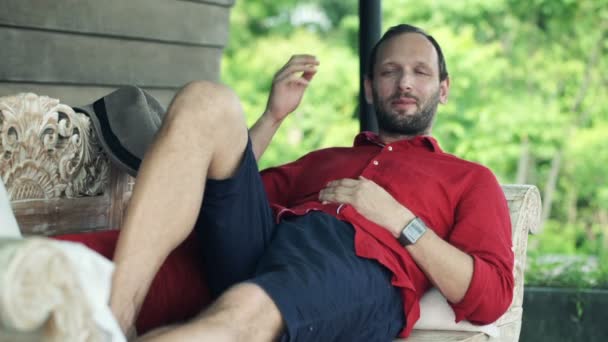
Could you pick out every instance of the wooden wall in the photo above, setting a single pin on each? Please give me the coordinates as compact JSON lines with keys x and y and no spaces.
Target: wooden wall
{"x":80,"y":50}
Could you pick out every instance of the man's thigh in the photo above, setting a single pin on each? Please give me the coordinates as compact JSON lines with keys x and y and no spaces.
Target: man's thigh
{"x":322,"y":289}
{"x":235,"y":225}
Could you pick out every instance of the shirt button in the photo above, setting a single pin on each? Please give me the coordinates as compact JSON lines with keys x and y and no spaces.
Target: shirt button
{"x":375,"y":162}
{"x":390,"y":148}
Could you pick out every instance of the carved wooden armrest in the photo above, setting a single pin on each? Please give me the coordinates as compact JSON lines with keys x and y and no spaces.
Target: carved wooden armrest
{"x":56,"y":175}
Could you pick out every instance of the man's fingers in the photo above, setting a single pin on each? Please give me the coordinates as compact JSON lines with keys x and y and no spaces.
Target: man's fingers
{"x":346,"y":182}
{"x":295,"y":69}
{"x":303,"y":58}
{"x":339,"y":194}
{"x":335,"y":198}
{"x":308,"y":75}
{"x":301,"y":81}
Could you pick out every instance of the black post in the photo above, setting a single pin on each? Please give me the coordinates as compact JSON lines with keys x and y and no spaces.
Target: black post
{"x":370,"y":21}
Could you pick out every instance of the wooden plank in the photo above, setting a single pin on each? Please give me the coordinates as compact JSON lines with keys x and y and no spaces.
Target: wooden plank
{"x":62,"y":215}
{"x":64,"y":58}
{"x":75,"y":95}
{"x":174,"y":21}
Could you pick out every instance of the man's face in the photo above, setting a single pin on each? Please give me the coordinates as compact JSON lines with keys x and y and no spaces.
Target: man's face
{"x":406,"y":89}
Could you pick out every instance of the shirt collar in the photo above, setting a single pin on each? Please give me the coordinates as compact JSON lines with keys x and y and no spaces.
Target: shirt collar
{"x":425,"y":141}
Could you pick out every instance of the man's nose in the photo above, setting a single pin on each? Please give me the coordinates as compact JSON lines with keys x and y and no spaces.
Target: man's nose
{"x":405,"y":81}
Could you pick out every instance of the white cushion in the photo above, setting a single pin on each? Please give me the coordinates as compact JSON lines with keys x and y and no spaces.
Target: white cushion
{"x":436,"y":314}
{"x":57,"y":290}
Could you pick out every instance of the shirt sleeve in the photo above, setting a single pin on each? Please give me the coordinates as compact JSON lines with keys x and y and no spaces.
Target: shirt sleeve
{"x":483,"y":230}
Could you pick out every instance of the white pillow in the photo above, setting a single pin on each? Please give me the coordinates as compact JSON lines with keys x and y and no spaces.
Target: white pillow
{"x":436,"y":314}
{"x":8,"y":224}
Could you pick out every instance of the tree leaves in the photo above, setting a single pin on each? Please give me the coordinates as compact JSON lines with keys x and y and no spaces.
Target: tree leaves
{"x":521,"y":71}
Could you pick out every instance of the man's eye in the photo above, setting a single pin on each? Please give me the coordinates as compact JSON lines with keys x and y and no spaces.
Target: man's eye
{"x":387,"y":72}
{"x":422,"y":72}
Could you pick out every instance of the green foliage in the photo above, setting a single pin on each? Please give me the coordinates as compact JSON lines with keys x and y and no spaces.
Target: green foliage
{"x":567,"y":239}
{"x":325,"y":116}
{"x":573,"y":273}
{"x":522,"y":72}
{"x":568,"y":255}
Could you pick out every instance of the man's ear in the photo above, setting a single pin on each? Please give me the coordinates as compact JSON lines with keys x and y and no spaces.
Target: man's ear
{"x":444,"y":90}
{"x":367,"y":84}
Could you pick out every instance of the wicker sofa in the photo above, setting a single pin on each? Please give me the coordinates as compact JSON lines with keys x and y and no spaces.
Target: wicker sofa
{"x":60,"y":182}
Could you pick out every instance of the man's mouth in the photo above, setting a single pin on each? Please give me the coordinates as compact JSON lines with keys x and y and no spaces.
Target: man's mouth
{"x":404,"y":101}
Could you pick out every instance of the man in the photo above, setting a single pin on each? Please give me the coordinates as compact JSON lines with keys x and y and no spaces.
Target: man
{"x":338,"y":245}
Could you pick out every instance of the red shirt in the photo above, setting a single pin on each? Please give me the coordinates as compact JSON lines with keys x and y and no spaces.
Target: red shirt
{"x":460,"y":200}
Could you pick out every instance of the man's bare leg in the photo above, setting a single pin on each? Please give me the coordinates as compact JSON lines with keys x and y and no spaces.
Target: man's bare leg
{"x":243,"y":313}
{"x":203,"y":136}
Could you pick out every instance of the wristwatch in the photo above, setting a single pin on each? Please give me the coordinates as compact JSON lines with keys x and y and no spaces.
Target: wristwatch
{"x":412,"y":232}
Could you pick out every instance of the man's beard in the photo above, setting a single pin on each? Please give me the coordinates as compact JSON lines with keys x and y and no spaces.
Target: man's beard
{"x":405,"y":124}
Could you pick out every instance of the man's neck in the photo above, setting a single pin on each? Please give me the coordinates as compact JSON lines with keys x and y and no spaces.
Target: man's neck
{"x":388,"y":138}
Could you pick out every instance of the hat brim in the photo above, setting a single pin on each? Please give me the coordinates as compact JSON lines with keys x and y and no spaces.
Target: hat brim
{"x":110,"y":143}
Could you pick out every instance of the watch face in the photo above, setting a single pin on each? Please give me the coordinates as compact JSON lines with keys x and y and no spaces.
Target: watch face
{"x":412,"y":232}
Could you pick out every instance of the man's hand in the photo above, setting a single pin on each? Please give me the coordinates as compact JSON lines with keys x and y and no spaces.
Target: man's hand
{"x":289,"y":84}
{"x":288,"y":87}
{"x":370,"y":200}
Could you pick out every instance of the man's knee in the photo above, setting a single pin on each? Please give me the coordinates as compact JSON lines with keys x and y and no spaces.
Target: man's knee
{"x":252,"y":310}
{"x":205,"y":106}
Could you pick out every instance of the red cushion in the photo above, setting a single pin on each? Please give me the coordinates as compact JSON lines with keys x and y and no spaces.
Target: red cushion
{"x":178,"y":292}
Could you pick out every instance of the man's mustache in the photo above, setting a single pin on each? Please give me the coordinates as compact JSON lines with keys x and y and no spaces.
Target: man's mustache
{"x":407,"y":96}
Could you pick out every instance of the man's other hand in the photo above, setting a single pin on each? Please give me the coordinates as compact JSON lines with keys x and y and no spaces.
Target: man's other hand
{"x":370,"y":200}
{"x":289,"y":84}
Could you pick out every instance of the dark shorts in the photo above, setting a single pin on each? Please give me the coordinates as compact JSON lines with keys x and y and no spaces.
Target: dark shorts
{"x":306,"y":264}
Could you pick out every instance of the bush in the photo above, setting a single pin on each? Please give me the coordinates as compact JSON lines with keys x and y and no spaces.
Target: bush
{"x":567,"y":271}
{"x":567,"y":255}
